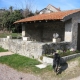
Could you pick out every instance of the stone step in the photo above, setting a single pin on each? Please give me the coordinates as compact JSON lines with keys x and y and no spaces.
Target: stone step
{"x":41,"y":66}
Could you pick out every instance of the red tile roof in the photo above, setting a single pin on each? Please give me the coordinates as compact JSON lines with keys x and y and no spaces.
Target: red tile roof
{"x":49,"y":16}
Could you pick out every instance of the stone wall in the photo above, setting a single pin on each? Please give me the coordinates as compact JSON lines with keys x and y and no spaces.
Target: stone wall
{"x":25,"y":48}
{"x":51,"y":28}
{"x":34,"y":49}
{"x":62,"y":60}
{"x":44,"y":31}
{"x":29,"y":48}
{"x":49,"y":48}
{"x":75,"y":19}
{"x":33,"y":32}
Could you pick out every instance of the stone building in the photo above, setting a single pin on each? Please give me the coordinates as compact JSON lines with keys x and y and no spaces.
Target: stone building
{"x":42,"y":27}
{"x":49,"y":9}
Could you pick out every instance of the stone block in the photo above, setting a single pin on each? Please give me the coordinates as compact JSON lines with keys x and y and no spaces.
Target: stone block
{"x":9,"y":37}
{"x":56,"y":40}
{"x":26,"y":38}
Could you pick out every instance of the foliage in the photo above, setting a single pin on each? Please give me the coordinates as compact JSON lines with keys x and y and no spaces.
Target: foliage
{"x":63,"y":53}
{"x":36,"y":12}
{"x":5,"y":18}
{"x":41,"y":57}
{"x":66,"y":53}
{"x":10,"y":17}
{"x":1,"y":13}
{"x":27,"y":13}
{"x":3,"y":50}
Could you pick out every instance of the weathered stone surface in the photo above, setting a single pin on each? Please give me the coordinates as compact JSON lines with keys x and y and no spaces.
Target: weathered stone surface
{"x":29,"y":48}
{"x":62,"y":60}
{"x":26,"y":48}
{"x":75,"y":19}
{"x":50,"y":47}
{"x":44,"y":31}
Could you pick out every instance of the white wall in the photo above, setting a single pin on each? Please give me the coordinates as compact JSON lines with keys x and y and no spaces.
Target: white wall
{"x":68,"y":31}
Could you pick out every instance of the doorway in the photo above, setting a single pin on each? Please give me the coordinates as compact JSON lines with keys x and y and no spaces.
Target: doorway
{"x":78,"y":37}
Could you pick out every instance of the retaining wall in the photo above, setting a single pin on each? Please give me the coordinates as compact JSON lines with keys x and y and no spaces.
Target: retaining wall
{"x":63,"y":59}
{"x":25,"y":48}
{"x":30,"y":48}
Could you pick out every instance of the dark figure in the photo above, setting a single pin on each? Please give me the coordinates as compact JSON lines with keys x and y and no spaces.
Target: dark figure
{"x":56,"y":61}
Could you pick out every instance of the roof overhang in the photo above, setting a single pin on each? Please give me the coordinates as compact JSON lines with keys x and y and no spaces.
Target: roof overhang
{"x":61,"y":15}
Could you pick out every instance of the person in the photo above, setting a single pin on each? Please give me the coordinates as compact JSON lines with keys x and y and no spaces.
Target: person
{"x":56,"y":61}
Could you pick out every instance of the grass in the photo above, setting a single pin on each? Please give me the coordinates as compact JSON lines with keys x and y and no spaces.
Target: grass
{"x":4,"y":35}
{"x":62,"y":54}
{"x":25,"y":64}
{"x":3,"y":50}
{"x":20,"y":63}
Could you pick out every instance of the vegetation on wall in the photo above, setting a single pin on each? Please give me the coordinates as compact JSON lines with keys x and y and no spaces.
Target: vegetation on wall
{"x":63,"y":53}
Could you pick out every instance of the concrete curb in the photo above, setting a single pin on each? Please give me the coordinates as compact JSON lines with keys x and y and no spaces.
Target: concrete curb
{"x":63,"y":59}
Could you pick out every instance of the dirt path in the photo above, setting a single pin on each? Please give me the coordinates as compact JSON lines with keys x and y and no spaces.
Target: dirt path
{"x":5,"y":53}
{"x":77,"y":78}
{"x":7,"y":73}
{"x":73,"y":65}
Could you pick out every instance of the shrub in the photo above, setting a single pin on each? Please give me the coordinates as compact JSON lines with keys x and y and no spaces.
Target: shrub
{"x":64,"y":53}
{"x":41,"y":57}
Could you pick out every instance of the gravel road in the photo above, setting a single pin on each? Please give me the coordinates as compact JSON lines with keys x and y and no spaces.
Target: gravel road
{"x":7,"y":73}
{"x":77,"y":78}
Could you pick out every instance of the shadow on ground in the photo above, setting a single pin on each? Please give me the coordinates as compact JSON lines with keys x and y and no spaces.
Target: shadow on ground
{"x":63,"y":66}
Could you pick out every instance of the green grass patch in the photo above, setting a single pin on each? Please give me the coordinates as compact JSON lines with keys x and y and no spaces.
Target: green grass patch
{"x":22,"y":63}
{"x":3,"y":50}
{"x":62,"y":54}
{"x":4,"y":35}
{"x":26,"y":64}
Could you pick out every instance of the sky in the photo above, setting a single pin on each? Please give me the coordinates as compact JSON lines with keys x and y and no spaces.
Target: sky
{"x":40,"y":4}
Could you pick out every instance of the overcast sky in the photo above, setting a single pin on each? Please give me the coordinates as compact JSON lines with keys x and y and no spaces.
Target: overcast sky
{"x":40,"y":4}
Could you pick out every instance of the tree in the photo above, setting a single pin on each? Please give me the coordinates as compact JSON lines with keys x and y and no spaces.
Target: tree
{"x":11,"y":15}
{"x":27,"y":11}
{"x":36,"y":12}
{"x":1,"y":13}
{"x":5,"y":19}
{"x":9,"y":19}
{"x":11,"y":9}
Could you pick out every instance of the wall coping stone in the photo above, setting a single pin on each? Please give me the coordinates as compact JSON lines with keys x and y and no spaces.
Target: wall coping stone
{"x":63,"y":59}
